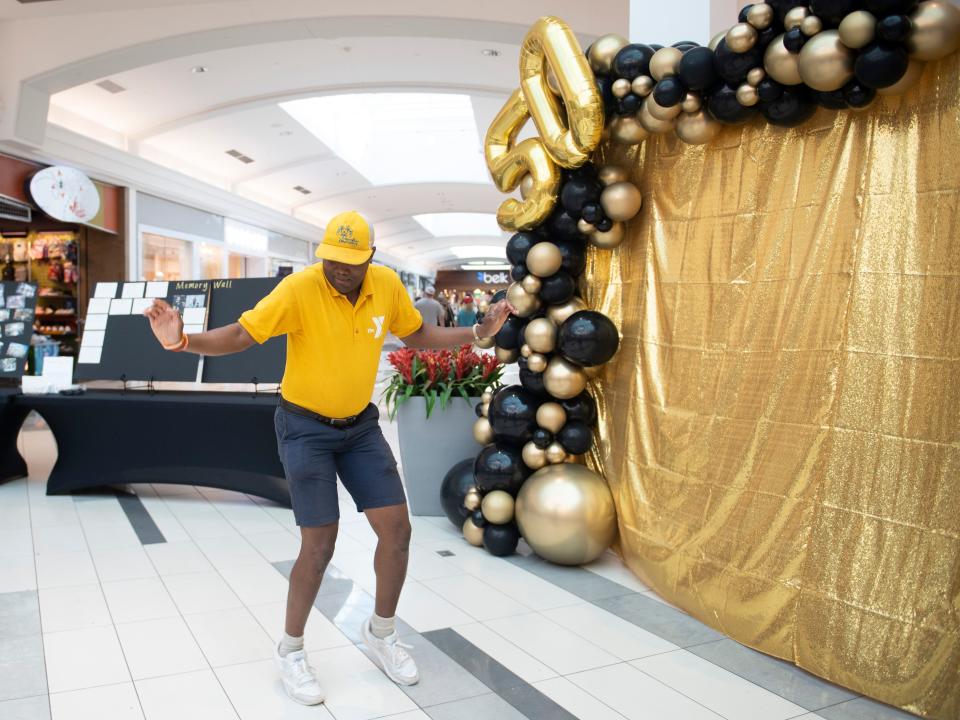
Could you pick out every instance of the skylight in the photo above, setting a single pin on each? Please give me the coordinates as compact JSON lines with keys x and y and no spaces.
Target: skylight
{"x":448,"y":224}
{"x":395,"y":138}
{"x":465,"y":252}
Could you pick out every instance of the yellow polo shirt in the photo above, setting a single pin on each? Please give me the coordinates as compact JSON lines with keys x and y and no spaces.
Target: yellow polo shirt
{"x":333,"y":347}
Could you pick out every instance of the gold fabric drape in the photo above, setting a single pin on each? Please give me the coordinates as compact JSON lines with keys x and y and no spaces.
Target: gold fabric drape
{"x":781,"y":426}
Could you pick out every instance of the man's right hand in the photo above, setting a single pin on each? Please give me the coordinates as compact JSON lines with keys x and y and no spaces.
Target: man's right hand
{"x":165,"y":322}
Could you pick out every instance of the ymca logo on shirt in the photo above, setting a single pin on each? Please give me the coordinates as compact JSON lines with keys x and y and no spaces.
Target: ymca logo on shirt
{"x":377,"y":329}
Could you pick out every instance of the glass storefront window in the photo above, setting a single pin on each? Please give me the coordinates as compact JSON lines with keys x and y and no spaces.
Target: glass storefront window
{"x":211,"y":261}
{"x":166,"y":258}
{"x":246,"y":266}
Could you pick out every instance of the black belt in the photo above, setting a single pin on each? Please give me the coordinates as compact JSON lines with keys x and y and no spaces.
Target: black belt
{"x":332,"y":422}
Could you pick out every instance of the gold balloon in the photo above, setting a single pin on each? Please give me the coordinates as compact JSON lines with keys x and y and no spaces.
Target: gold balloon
{"x":642,"y":85}
{"x":566,"y":514}
{"x":526,"y":351}
{"x":594,"y":371}
{"x":487,"y":396}
{"x":621,"y":201}
{"x":661,"y":112}
{"x":741,"y":37}
{"x":664,"y":62}
{"x":626,"y":130}
{"x":525,"y":303}
{"x":541,"y":335}
{"x":537,"y":362}
{"x":603,"y":51}
{"x":533,"y":457}
{"x":563,"y":379}
{"x":482,"y":431}
{"x":543,"y":260}
{"x":620,"y":88}
{"x":472,"y":534}
{"x":559,"y":313}
{"x":485,"y":409}
{"x":610,"y":239}
{"x":747,"y":95}
{"x":532,"y":284}
{"x":651,"y":123}
{"x":910,"y":78}
{"x":497,"y":507}
{"x":760,"y":16}
{"x":936,"y":30}
{"x":826,"y":63}
{"x":555,"y":453}
{"x":811,"y":25}
{"x":485,"y":343}
{"x":857,"y":29}
{"x":551,"y":416}
{"x":585,"y":227}
{"x":610,"y":174}
{"x":795,"y":17}
{"x":756,"y":76}
{"x":526,"y":186}
{"x":781,"y":64}
{"x":715,"y":40}
{"x":507,"y":357}
{"x":483,"y":306}
{"x":471,"y":501}
{"x":697,"y":128}
{"x":691,"y":103}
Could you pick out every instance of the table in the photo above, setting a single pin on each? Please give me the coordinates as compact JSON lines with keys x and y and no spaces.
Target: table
{"x":107,"y":437}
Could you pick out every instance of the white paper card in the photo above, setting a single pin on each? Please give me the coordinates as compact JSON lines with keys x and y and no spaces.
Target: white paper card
{"x":156,"y":289}
{"x":90,"y":355}
{"x":35,"y":385}
{"x":133,"y":290}
{"x":192,"y":329}
{"x":98,"y":306}
{"x":141,"y":304}
{"x":59,"y":371}
{"x":96,"y":322}
{"x":120,"y":307}
{"x":106,"y":290}
{"x":93,"y":338}
{"x":194,"y":316}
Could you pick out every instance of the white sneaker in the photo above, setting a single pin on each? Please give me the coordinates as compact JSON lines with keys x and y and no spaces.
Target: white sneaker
{"x":392,"y":656}
{"x":299,"y":679}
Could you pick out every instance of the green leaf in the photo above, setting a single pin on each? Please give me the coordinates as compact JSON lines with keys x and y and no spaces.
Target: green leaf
{"x":431,"y":400}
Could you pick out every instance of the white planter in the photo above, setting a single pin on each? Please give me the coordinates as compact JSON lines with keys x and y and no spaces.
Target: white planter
{"x":429,"y":448}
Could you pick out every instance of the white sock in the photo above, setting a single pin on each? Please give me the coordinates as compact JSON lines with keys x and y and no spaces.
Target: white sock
{"x":289,"y":644}
{"x":382,"y":627}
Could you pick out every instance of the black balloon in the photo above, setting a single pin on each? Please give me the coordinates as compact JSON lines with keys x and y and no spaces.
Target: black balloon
{"x":532,"y":381}
{"x":629,"y":104}
{"x":498,"y":296}
{"x":685,"y":44}
{"x":769,"y":90}
{"x":478,"y":409}
{"x":725,"y":107}
{"x":499,"y":467}
{"x":857,"y":95}
{"x":573,"y":255}
{"x":519,"y":245}
{"x":831,"y":12}
{"x":794,"y":40}
{"x":782,"y":7}
{"x":632,"y":60}
{"x":509,"y":335}
{"x":501,"y":540}
{"x":477,"y":518}
{"x":604,"y":224}
{"x":562,"y":225}
{"x":833,"y":99}
{"x":732,"y":66}
{"x":513,"y":415}
{"x":742,"y":17}
{"x":880,"y":65}
{"x":557,"y":288}
{"x":588,"y":338}
{"x":894,"y":28}
{"x":577,"y":192}
{"x":655,"y":47}
{"x":605,"y":88}
{"x":575,"y":437}
{"x":794,"y":106}
{"x":764,"y":37}
{"x":453,"y":490}
{"x":541,"y":438}
{"x":592,"y":212}
{"x":696,"y":69}
{"x":882,"y":8}
{"x":587,"y":171}
{"x":519,"y":272}
{"x":669,"y":91}
{"x":582,"y":408}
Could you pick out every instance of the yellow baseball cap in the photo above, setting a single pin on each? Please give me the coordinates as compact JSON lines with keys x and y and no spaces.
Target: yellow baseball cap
{"x":348,"y":238}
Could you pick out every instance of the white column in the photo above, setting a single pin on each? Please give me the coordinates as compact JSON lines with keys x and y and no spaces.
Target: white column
{"x":664,"y":23}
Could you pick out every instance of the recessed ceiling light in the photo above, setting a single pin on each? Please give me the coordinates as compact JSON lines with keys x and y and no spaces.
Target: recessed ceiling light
{"x":198,"y":69}
{"x":490,"y":52}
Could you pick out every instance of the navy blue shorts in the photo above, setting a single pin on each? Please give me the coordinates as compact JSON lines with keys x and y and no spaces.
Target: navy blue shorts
{"x":314,"y":454}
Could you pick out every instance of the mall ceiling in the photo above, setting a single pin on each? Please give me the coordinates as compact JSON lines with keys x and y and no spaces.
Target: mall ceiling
{"x":383,"y":111}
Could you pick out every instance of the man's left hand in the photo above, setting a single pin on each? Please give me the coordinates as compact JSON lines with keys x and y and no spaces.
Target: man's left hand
{"x":495,"y":318}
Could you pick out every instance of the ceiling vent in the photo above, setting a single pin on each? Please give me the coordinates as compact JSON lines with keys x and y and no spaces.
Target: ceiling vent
{"x":111,"y":87}
{"x":11,"y":209}
{"x":302,"y":190}
{"x":27,"y":2}
{"x":246,"y":160}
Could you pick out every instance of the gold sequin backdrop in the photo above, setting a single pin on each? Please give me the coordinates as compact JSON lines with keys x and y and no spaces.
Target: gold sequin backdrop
{"x":781,"y":427}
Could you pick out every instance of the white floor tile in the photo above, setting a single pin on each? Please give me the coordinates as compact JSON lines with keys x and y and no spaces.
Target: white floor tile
{"x":722,"y":691}
{"x":101,"y":510}
{"x":276,"y":546}
{"x":16,"y":542}
{"x":475,"y":598}
{"x":200,"y":592}
{"x":73,"y":608}
{"x":553,"y":645}
{"x":159,"y":647}
{"x":256,"y":584}
{"x":223,"y":554}
{"x":85,"y":658}
{"x":141,"y":599}
{"x":257,"y":694}
{"x":576,"y":700}
{"x":53,"y":512}
{"x":58,"y":539}
{"x":411,"y":715}
{"x":190,"y":695}
{"x":178,"y":558}
{"x":505,"y":652}
{"x":63,"y":569}
{"x":229,"y":637}
{"x":356,"y":565}
{"x":424,"y":610}
{"x":201,"y":527}
{"x":14,"y":515}
{"x":17,"y":573}
{"x":612,"y":568}
{"x":319,"y":634}
{"x":125,"y":563}
{"x":359,"y":531}
{"x":604,"y":629}
{"x":427,"y":532}
{"x":356,"y":689}
{"x":425,"y":564}
{"x":113,"y":702}
{"x":638,"y":696}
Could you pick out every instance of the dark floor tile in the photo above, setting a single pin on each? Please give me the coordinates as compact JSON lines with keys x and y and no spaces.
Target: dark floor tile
{"x":578,"y":581}
{"x":660,"y":619}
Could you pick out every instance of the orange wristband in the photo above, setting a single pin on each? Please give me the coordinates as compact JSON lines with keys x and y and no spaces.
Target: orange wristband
{"x":180,"y":346}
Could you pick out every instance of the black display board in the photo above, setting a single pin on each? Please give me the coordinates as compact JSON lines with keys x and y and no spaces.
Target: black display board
{"x":229,"y":299}
{"x":18,"y":307}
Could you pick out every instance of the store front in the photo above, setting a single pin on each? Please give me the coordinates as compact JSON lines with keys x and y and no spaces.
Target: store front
{"x":478,"y":283}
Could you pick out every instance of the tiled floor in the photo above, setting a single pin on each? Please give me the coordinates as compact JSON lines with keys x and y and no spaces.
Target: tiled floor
{"x":96,"y":624}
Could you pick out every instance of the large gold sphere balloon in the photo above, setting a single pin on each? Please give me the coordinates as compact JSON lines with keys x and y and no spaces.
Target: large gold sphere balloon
{"x":664,"y":62}
{"x":741,"y":37}
{"x":525,"y":303}
{"x":910,"y":78}
{"x":620,"y":88}
{"x":936,"y":30}
{"x":541,"y":335}
{"x":811,"y":25}
{"x":621,"y":201}
{"x":760,"y":15}
{"x":526,"y":186}
{"x":544,"y":259}
{"x":697,"y":128}
{"x":472,"y":534}
{"x":531,"y":284}
{"x":642,"y":85}
{"x":747,"y":95}
{"x":610,"y":239}
{"x":715,"y":40}
{"x":826,"y":63}
{"x":533,"y":457}
{"x":563,"y":379}
{"x":691,"y":103}
{"x":507,"y":357}
{"x":482,"y":431}
{"x":551,"y":416}
{"x":781,"y":64}
{"x":756,"y":76}
{"x":661,"y":112}
{"x":471,"y":501}
{"x":651,"y":123}
{"x":537,"y":362}
{"x":497,"y":507}
{"x":857,"y":29}
{"x":555,"y":453}
{"x":603,"y":51}
{"x":627,"y":130}
{"x":795,"y":17}
{"x":559,"y":313}
{"x":610,"y":174}
{"x":485,"y":343}
{"x":566,"y":514}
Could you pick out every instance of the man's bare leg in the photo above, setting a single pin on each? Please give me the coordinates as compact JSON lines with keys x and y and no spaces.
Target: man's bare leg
{"x":392,"y":526}
{"x":316,"y":549}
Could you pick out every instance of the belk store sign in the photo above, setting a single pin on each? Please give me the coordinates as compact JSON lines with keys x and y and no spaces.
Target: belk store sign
{"x":470,"y":280}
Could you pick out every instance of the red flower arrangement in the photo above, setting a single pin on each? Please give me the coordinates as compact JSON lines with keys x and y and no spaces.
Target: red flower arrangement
{"x":437,"y":374}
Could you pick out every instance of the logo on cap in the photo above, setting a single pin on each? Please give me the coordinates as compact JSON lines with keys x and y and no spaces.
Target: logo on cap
{"x":345,"y":236}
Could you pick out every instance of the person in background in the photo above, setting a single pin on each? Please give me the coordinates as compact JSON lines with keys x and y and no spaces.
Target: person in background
{"x":429,"y":308}
{"x":467,"y":315}
{"x":449,"y":318}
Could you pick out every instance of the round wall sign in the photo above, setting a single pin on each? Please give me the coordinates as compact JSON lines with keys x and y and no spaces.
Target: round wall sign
{"x":65,"y":194}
